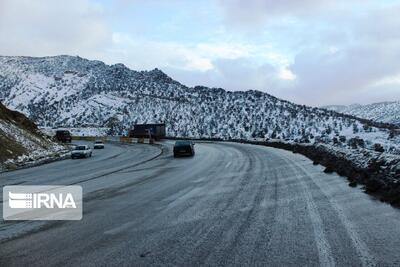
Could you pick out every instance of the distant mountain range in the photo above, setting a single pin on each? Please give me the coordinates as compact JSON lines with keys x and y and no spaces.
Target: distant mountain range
{"x":66,"y":91}
{"x":388,"y":112}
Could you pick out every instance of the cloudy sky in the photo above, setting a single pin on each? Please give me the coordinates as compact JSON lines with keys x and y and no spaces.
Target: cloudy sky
{"x":313,"y":52}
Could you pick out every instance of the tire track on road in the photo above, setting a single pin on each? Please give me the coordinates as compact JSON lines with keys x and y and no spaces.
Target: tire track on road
{"x":324,"y":249}
{"x":361,"y":248}
{"x":121,"y":169}
{"x":51,"y":224}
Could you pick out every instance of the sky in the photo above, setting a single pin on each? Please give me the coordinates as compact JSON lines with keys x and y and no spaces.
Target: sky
{"x":313,"y":52}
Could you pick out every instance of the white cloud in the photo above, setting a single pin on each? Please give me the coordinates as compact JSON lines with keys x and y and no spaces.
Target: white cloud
{"x":334,"y":78}
{"x":312,"y":52}
{"x":256,"y":12}
{"x":198,"y":57}
{"x":234,"y":74}
{"x":141,"y":53}
{"x":393,"y":80}
{"x":47,"y":27}
{"x":359,"y":67}
{"x":286,"y":74}
{"x":223,"y":50}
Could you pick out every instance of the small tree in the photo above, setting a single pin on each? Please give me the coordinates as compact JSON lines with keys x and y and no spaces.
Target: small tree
{"x":355,"y":128}
{"x":114,"y":125}
{"x":379,"y":148}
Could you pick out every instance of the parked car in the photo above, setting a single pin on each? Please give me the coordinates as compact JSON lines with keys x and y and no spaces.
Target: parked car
{"x":63,"y":136}
{"x":98,"y":145}
{"x":81,"y":152}
{"x":184,"y":148}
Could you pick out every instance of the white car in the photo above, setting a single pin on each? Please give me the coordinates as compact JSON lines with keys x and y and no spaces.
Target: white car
{"x":98,"y":145}
{"x":83,"y":151}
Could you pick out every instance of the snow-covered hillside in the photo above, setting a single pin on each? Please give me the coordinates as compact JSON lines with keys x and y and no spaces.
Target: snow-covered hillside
{"x":21,"y":141}
{"x":388,"y":112}
{"x":67,"y":91}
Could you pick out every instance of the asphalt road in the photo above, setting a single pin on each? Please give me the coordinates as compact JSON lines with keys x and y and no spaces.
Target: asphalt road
{"x":231,"y":204}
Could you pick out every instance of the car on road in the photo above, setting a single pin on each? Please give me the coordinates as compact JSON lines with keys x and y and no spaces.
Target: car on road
{"x":98,"y":145}
{"x":63,"y":136}
{"x":81,"y":151}
{"x":183,"y":148}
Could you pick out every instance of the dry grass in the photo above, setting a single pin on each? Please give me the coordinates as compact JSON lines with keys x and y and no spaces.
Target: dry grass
{"x":9,"y":148}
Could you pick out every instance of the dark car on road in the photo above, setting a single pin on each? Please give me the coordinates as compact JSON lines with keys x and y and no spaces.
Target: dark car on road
{"x":183,"y":148}
{"x":63,"y":136}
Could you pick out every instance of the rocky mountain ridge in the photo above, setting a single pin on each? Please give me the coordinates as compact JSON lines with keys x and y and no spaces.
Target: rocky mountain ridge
{"x":66,"y":91}
{"x":386,"y":112}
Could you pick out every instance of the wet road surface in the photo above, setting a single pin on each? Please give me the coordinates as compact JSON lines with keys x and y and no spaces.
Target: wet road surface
{"x":231,"y":204}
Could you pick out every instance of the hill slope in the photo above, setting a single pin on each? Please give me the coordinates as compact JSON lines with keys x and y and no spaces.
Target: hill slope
{"x":20,"y":139}
{"x":75,"y":92}
{"x":67,"y":91}
{"x":388,"y":112}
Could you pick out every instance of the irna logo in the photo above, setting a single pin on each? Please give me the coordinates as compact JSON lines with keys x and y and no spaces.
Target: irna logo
{"x":42,"y":202}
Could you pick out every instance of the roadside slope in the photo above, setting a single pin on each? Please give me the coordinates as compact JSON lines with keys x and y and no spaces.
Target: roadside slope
{"x":21,"y":141}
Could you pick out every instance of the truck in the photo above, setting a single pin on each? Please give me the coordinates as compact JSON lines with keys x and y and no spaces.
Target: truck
{"x":155,"y":131}
{"x":63,"y":136}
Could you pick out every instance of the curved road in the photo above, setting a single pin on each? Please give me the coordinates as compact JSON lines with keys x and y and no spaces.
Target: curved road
{"x":231,"y":204}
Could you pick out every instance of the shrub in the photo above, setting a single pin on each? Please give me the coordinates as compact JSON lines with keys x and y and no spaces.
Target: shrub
{"x":373,"y":185}
{"x":379,"y":148}
{"x":328,"y":170}
{"x":352,"y":183}
{"x":356,"y":142}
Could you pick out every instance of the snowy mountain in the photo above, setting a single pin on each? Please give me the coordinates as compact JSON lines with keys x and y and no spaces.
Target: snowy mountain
{"x":388,"y":112}
{"x":66,"y":91}
{"x":20,"y":140}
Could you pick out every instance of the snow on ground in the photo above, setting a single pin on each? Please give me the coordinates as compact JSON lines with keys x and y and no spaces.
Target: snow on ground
{"x":84,"y":96}
{"x":77,"y":131}
{"x":388,"y":112}
{"x":37,"y":149}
